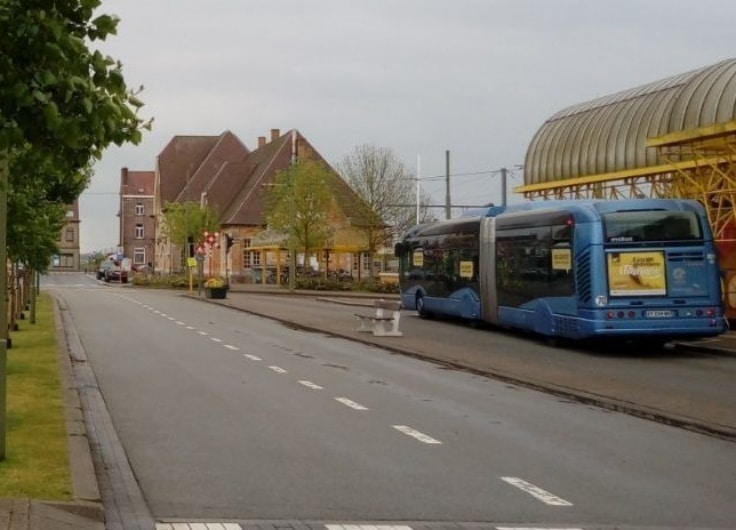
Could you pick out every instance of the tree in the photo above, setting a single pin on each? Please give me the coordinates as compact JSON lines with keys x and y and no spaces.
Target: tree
{"x":388,"y":192}
{"x":186,"y":222}
{"x":300,"y":204}
{"x":64,"y":101}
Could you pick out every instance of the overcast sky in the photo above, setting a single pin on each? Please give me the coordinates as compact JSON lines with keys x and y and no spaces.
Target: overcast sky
{"x":477,"y":78}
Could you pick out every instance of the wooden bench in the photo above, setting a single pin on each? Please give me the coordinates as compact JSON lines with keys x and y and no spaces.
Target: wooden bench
{"x":378,"y":322}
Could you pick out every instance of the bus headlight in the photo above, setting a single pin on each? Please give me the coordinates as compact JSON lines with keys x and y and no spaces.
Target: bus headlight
{"x":601,"y":301}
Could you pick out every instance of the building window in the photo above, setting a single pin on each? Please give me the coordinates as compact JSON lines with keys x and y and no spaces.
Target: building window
{"x":67,"y":260}
{"x":70,"y":213}
{"x":139,"y":231}
{"x":250,"y":258}
{"x":69,"y":236}
{"x":139,"y":256}
{"x":360,"y":261}
{"x":139,"y":210}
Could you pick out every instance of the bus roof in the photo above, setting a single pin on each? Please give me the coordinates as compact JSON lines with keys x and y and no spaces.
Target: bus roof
{"x":599,"y":205}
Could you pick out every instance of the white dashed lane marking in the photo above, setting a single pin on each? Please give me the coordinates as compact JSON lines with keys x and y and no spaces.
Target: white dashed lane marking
{"x":311,"y":385}
{"x":350,"y":403}
{"x":252,"y":357}
{"x":366,"y":527}
{"x":536,"y":492}
{"x":215,"y":339}
{"x":231,"y":347}
{"x":416,"y":434}
{"x":277,"y":369}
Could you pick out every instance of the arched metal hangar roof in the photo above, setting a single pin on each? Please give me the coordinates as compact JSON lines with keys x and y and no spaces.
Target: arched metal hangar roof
{"x":609,"y":134}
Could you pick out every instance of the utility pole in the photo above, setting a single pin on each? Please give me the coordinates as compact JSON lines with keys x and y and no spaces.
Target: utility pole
{"x":418,"y":186}
{"x":504,"y":171}
{"x":448,"y":209}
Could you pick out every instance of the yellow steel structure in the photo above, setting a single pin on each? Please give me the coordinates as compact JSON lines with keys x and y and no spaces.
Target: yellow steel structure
{"x":701,"y":165}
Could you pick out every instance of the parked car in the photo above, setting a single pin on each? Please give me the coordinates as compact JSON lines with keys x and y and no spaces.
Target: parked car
{"x":116,"y":274}
{"x":105,"y":265}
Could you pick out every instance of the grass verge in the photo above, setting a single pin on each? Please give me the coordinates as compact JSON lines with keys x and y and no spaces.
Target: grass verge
{"x":37,"y":454}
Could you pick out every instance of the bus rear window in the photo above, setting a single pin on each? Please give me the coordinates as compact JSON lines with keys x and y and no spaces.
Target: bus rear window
{"x":651,"y":225}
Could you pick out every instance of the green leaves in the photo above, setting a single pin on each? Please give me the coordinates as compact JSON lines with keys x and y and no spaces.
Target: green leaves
{"x":61,"y":104}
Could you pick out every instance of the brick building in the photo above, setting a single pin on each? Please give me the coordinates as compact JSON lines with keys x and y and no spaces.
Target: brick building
{"x":68,"y":258}
{"x":137,"y":216}
{"x":221,"y":172}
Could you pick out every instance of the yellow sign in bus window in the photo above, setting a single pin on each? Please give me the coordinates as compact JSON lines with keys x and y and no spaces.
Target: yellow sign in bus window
{"x":561,"y":259}
{"x":418,"y":258}
{"x":636,"y":274}
{"x":466,"y":269}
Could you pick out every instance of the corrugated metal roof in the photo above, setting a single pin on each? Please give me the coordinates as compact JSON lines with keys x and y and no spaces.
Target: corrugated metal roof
{"x":609,"y":133}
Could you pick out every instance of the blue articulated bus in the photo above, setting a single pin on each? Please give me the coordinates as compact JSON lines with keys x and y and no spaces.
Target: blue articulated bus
{"x":641,"y":269}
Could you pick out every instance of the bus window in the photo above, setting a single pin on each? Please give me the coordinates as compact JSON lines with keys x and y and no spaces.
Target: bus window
{"x":651,"y":225}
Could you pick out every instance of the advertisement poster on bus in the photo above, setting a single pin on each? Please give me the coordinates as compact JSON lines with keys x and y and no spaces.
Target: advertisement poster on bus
{"x":466,"y":269}
{"x":636,"y":274}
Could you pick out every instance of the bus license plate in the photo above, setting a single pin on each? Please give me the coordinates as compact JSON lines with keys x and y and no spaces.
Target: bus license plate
{"x":659,"y":314}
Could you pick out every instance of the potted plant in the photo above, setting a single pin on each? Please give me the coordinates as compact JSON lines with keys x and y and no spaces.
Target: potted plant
{"x":216,"y":287}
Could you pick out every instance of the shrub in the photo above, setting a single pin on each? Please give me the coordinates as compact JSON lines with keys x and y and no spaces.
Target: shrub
{"x":216,"y":282}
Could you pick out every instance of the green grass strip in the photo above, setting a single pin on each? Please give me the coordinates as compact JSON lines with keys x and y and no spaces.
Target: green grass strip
{"x":37,"y":454}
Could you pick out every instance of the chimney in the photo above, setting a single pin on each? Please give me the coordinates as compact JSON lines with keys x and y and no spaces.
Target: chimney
{"x":261,"y":141}
{"x":275,"y":133}
{"x":124,"y":177}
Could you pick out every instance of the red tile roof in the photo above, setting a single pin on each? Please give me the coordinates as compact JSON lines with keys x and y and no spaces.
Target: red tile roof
{"x":234,"y":179}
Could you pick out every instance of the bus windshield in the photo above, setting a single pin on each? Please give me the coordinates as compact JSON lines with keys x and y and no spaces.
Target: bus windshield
{"x":651,"y":225}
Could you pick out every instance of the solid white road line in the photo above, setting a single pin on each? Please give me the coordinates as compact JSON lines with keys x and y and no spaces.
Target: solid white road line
{"x":366,"y":527}
{"x":537,"y":492}
{"x":416,"y":434}
{"x":311,"y":385}
{"x":350,"y":403}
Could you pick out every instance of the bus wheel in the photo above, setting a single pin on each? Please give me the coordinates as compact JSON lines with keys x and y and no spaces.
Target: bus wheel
{"x":419,"y":305}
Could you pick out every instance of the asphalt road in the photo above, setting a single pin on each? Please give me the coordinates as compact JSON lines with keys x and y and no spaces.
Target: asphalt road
{"x":229,"y":416}
{"x":691,"y":388}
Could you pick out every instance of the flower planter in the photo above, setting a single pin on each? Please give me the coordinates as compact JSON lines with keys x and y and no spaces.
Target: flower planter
{"x":215,"y":292}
